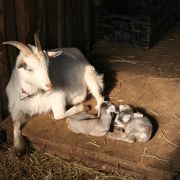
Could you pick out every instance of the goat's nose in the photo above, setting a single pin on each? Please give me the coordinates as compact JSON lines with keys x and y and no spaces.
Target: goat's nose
{"x":49,"y":86}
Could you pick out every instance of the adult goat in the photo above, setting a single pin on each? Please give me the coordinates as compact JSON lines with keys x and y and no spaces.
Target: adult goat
{"x":38,"y":85}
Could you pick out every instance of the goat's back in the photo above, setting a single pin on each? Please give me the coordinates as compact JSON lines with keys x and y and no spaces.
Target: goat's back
{"x":67,"y":71}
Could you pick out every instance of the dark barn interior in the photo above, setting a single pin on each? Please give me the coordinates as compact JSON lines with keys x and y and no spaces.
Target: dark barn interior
{"x":136,"y":45}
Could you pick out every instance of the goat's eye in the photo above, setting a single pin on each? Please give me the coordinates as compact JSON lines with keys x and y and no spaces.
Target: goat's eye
{"x":30,"y":70}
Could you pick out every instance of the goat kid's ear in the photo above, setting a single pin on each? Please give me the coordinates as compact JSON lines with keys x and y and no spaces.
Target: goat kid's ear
{"x":22,"y":64}
{"x":121,"y":107}
{"x":112,"y":108}
{"x":124,"y":107}
{"x":138,"y":115}
{"x":54,"y":53}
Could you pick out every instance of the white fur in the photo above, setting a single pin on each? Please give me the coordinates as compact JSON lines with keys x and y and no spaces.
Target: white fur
{"x":89,"y":124}
{"x":136,"y":126}
{"x":70,"y":74}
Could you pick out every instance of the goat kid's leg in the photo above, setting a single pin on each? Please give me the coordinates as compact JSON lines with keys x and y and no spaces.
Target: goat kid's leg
{"x":19,"y":141}
{"x":95,"y":84}
{"x":120,"y":136}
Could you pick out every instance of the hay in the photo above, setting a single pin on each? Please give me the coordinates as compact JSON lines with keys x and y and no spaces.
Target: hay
{"x":94,"y":144}
{"x":123,"y":61}
{"x":43,"y":166}
{"x":148,"y":155}
{"x":115,"y":96}
{"x":168,"y":140}
{"x":154,"y":113}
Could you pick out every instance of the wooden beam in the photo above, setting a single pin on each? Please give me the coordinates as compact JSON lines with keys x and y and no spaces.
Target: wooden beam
{"x":4,"y":73}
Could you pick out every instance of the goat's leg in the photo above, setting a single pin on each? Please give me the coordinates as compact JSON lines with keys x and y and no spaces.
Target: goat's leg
{"x":120,"y":136}
{"x":58,"y":111}
{"x":19,"y":142}
{"x":74,"y":110}
{"x":95,"y":84}
{"x":58,"y":105}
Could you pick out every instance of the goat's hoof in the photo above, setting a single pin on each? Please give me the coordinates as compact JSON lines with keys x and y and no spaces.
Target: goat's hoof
{"x":58,"y":117}
{"x":20,"y":149}
{"x":96,"y":107}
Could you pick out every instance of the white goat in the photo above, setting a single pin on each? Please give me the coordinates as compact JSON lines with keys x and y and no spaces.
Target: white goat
{"x":92,"y":125}
{"x":38,"y":85}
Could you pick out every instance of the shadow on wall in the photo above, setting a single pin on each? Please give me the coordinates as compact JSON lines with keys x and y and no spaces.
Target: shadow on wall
{"x":103,"y":67}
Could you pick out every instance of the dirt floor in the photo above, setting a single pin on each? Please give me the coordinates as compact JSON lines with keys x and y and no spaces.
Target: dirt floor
{"x":149,"y":80}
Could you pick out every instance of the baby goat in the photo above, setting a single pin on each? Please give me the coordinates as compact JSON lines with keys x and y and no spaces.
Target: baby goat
{"x":38,"y":85}
{"x":89,"y":124}
{"x":130,"y":126}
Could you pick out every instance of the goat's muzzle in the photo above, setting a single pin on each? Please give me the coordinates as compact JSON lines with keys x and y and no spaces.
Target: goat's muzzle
{"x":48,"y":86}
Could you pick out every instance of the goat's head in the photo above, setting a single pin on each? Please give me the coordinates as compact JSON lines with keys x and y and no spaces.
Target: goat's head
{"x":107,"y":108}
{"x":124,"y":115}
{"x":32,"y":63}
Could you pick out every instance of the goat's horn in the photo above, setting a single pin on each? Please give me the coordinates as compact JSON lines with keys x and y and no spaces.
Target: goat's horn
{"x":22,"y":47}
{"x":37,"y":41}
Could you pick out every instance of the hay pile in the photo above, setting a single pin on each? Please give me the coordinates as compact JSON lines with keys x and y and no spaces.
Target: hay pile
{"x":44,"y":166}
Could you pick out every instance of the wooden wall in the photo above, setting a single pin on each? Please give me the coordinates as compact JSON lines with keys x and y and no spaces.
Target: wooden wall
{"x":62,"y":23}
{"x":178,"y":10}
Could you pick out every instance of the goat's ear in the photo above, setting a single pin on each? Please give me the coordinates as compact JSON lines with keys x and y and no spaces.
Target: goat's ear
{"x":121,"y":107}
{"x":22,"y":64}
{"x":138,"y":115}
{"x":54,"y":53}
{"x":112,"y":108}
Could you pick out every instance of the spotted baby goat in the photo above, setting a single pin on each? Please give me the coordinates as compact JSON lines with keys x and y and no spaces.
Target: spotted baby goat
{"x":38,"y":85}
{"x":135,"y":126}
{"x":92,"y":125}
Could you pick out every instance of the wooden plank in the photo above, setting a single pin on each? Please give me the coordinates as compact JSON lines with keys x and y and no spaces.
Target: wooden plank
{"x":68,"y":19}
{"x":11,"y":32}
{"x":22,"y":20}
{"x":79,"y":19}
{"x":4,"y":73}
{"x":178,"y":10}
{"x":73,"y":26}
{"x":60,"y":22}
{"x":86,"y":24}
{"x":26,"y":20}
{"x":51,"y":25}
{"x":32,"y":11}
{"x":41,"y":21}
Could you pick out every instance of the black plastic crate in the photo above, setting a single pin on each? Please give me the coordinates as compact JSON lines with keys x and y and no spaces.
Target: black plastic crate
{"x":104,"y":25}
{"x":146,"y":7}
{"x":137,"y":30}
{"x":134,"y":7}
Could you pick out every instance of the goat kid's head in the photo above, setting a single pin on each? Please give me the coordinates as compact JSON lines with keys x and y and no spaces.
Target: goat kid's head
{"x":107,"y":108}
{"x":32,"y":63}
{"x":124,"y":115}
